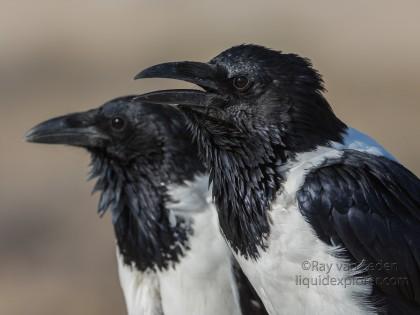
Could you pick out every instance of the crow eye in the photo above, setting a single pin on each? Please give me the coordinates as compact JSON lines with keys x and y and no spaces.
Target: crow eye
{"x":117,"y":123}
{"x":241,"y":83}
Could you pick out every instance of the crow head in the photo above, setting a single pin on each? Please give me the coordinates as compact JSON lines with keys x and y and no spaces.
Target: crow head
{"x":124,"y":130}
{"x":249,"y":91}
{"x":137,"y":149}
{"x":258,"y":109}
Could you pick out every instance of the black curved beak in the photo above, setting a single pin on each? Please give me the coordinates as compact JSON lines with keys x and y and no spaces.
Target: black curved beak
{"x":201,"y":74}
{"x":76,"y":129}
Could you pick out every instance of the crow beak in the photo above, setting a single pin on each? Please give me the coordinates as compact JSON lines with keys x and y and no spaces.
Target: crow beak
{"x":201,"y":74}
{"x":74,"y":129}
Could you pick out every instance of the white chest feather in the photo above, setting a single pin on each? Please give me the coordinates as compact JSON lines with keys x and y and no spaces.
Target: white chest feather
{"x":298,"y":273}
{"x":141,"y":290}
{"x":201,"y":283}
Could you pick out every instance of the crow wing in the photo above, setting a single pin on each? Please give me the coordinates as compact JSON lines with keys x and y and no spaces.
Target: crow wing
{"x":370,"y":205}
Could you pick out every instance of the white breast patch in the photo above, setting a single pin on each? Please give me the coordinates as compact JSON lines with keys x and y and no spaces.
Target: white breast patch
{"x":298,"y":273}
{"x":201,"y":283}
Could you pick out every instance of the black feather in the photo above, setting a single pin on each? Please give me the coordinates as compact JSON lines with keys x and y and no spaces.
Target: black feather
{"x":132,"y":175}
{"x":370,"y":205}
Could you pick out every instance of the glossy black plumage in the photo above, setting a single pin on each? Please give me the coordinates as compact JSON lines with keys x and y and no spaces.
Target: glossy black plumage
{"x":132,"y":179}
{"x":144,"y":233}
{"x":370,"y":205}
{"x":251,"y":164}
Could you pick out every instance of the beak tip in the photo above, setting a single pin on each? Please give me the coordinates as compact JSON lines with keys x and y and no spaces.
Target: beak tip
{"x":144,"y":74}
{"x":138,"y":76}
{"x":29,"y":136}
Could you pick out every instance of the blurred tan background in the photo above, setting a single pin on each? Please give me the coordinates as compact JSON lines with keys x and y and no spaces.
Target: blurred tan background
{"x":57,"y":56}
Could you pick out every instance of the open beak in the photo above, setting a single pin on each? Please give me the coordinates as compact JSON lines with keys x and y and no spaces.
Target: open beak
{"x":74,"y":129}
{"x":201,"y":74}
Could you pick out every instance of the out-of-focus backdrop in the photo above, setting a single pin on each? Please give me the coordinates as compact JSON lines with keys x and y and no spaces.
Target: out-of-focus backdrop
{"x":58,"y":56}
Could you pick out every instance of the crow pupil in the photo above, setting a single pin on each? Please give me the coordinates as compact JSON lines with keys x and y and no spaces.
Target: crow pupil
{"x":117,"y":123}
{"x":240,"y":83}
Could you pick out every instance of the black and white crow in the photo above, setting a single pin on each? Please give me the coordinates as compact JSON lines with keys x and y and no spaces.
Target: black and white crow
{"x":172,"y":258}
{"x":321,"y":219}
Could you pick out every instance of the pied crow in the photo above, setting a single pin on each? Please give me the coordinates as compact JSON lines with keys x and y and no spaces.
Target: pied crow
{"x":320,"y":217}
{"x":172,"y":258}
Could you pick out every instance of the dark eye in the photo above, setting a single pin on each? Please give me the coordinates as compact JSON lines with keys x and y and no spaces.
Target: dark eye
{"x":241,"y":83}
{"x":117,"y":123}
